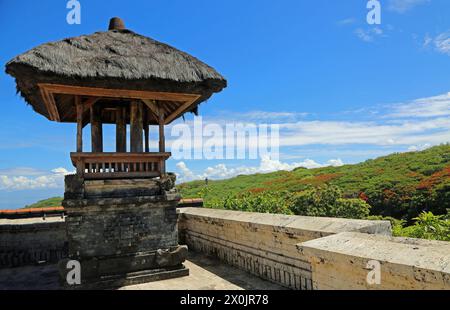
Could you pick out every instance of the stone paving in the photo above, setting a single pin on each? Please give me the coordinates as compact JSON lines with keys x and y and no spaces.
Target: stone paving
{"x":205,"y":274}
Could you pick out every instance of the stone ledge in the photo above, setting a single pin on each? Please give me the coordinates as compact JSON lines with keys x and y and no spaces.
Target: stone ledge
{"x":264,"y":244}
{"x":275,"y":268}
{"x":340,"y":261}
{"x":100,"y":204}
{"x":30,"y":224}
{"x":312,"y":227}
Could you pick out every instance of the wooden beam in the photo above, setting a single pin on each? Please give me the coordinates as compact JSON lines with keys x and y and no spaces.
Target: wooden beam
{"x":86,"y":118}
{"x":178,"y":112}
{"x":146,"y":130}
{"x":96,"y":129}
{"x":147,"y":138}
{"x":151,"y":104}
{"x":50,"y":104}
{"x":86,"y":163}
{"x":162,"y":141}
{"x":121,"y":157}
{"x":121,"y":130}
{"x":136,"y":127}
{"x":117,"y":93}
{"x":89,"y":103}
{"x":86,"y":107}
{"x":159,"y":113}
{"x":55,"y":108}
{"x":79,"y":109}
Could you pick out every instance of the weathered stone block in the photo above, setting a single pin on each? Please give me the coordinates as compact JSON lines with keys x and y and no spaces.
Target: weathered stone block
{"x":74,"y":187}
{"x":341,"y":262}
{"x":264,"y":244}
{"x":31,"y":241}
{"x":121,"y":227}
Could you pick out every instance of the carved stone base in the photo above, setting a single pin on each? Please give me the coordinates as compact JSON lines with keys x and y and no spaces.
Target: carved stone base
{"x":122,"y":231}
{"x":121,"y":270}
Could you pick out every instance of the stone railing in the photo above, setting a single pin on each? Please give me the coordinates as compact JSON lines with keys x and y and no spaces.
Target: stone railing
{"x":294,"y":251}
{"x":101,"y":166}
{"x":31,"y":241}
{"x":316,"y":253}
{"x":344,"y":261}
{"x":264,"y":244}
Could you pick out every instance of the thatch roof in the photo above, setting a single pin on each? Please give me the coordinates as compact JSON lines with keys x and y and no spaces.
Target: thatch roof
{"x":117,"y":58}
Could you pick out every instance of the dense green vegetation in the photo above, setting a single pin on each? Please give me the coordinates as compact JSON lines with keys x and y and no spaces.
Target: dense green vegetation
{"x":411,"y":189}
{"x":50,"y":202}
{"x":325,"y":201}
{"x":400,"y":185}
{"x":426,"y":226}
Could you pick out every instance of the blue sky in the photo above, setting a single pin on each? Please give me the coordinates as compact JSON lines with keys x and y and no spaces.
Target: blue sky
{"x":341,"y":90}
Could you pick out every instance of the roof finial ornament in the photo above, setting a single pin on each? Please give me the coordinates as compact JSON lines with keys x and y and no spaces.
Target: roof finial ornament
{"x":116,"y":23}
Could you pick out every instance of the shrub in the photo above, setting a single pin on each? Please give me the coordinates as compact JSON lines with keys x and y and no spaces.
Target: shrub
{"x":328,"y":202}
{"x":429,"y":226}
{"x":264,"y":202}
{"x":397,"y":225}
{"x":325,"y":202}
{"x":426,"y":226}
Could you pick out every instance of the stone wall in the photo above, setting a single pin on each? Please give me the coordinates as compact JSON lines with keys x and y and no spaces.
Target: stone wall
{"x":264,"y":244}
{"x":121,"y":226}
{"x":123,"y":231}
{"x":32,"y":241}
{"x":297,"y":252}
{"x":344,"y":261}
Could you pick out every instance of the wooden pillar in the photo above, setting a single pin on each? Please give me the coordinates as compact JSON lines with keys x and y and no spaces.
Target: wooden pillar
{"x":136,"y":127}
{"x":96,"y":129}
{"x":147,"y":137}
{"x":80,"y":111}
{"x":162,"y":141}
{"x":121,"y":130}
{"x":146,"y":130}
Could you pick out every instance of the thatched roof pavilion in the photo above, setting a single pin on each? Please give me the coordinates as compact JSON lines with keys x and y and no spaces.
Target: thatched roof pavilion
{"x":116,"y":77}
{"x":115,"y":59}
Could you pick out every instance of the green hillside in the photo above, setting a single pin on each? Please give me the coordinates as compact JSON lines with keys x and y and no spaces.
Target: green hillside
{"x":50,"y":202}
{"x":399,"y":185}
{"x":412,"y":190}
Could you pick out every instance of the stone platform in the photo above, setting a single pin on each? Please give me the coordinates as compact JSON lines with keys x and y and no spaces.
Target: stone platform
{"x":206,"y":273}
{"x":122,"y":231}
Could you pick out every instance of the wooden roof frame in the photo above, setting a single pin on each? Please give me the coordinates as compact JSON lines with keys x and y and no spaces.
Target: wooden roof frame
{"x":48,"y":91}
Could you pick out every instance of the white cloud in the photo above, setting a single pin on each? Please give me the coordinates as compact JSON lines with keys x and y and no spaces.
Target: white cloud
{"x":369,"y":35}
{"x":427,"y":40}
{"x":347,"y":21}
{"x":421,"y":121}
{"x":402,"y":6}
{"x":25,"y":171}
{"x":267,"y":165}
{"x":415,"y":148}
{"x":335,"y":162}
{"x":269,"y":115}
{"x":30,"y":178}
{"x":344,"y":133}
{"x":436,"y":106}
{"x":442,"y":43}
{"x":416,"y":122}
{"x":185,"y":173}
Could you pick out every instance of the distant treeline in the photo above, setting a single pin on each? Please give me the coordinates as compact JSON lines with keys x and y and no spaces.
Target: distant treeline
{"x":407,"y":188}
